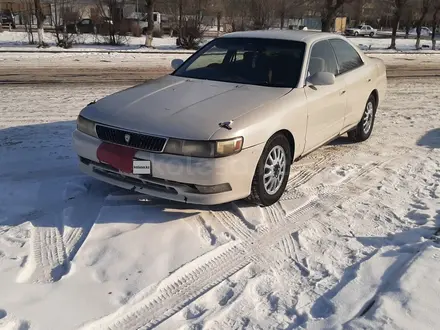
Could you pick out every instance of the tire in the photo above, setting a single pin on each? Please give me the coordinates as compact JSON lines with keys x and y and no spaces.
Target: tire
{"x":371,"y":34}
{"x":263,"y":192}
{"x":363,"y":130}
{"x":356,"y":33}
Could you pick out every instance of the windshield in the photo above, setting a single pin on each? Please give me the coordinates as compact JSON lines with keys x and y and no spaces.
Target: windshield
{"x":255,"y":61}
{"x":360,"y":26}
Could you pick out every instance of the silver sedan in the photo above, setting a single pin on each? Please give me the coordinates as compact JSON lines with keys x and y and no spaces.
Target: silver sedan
{"x":229,"y":121}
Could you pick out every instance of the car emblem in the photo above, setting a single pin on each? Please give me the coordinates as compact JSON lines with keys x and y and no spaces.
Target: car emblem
{"x":127,"y":138}
{"x":226,"y":124}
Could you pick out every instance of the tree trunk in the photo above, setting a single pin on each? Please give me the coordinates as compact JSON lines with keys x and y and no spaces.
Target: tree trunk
{"x":326,"y":22}
{"x":418,"y":40}
{"x":328,"y":14}
{"x":219,"y":17}
{"x":434,"y":27}
{"x":395,"y":26}
{"x":40,"y":23}
{"x":282,"y":14}
{"x":419,"y":26}
{"x":407,"y":28}
{"x":180,"y":21}
{"x":150,"y":21}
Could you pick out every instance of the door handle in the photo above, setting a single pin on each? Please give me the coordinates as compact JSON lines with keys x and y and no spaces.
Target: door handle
{"x":369,"y":79}
{"x":342,"y":92}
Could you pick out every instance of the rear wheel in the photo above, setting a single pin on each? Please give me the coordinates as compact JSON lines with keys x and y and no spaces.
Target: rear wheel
{"x":272,"y":173}
{"x":363,"y":130}
{"x":372,"y":34}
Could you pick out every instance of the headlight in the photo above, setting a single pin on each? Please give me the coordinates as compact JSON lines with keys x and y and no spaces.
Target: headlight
{"x":86,"y":126}
{"x":204,"y":149}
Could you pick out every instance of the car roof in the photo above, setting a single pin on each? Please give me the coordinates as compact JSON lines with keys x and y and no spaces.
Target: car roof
{"x":304,"y":36}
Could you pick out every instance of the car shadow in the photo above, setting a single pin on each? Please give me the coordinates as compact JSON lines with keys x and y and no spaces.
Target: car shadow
{"x":431,"y":139}
{"x":341,"y":140}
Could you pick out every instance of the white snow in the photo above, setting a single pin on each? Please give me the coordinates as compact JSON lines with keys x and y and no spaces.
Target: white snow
{"x":18,"y":41}
{"x":403,"y":45}
{"x":350,"y":245}
{"x":85,"y":42}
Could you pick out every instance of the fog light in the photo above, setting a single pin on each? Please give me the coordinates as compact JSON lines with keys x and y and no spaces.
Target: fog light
{"x":218,"y":188}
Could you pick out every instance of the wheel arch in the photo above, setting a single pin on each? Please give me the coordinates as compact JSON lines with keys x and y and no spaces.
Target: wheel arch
{"x":291,"y":140}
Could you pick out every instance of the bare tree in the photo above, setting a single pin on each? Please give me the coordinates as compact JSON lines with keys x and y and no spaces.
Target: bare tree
{"x":398,"y":6}
{"x":435,"y":20}
{"x":64,"y":12}
{"x":329,"y":11}
{"x":288,"y":8}
{"x":423,"y":7}
{"x":150,"y":20}
{"x":408,"y":18}
{"x":27,"y":13}
{"x":110,"y":22}
{"x":40,"y":23}
{"x":236,"y":13}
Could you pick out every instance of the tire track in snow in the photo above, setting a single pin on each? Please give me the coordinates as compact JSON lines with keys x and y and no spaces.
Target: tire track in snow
{"x":54,"y":242}
{"x":47,"y":261}
{"x":233,"y":223}
{"x":200,"y":276}
{"x":275,"y":215}
{"x":182,"y":289}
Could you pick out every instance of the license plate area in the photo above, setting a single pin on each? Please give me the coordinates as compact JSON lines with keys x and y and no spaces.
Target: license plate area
{"x":142,"y":167}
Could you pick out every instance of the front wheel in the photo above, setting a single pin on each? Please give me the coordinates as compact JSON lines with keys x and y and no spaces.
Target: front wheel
{"x":272,"y":173}
{"x":356,"y":34}
{"x":363,"y":130}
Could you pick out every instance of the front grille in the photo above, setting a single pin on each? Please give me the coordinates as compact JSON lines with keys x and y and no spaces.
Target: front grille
{"x":138,"y":141}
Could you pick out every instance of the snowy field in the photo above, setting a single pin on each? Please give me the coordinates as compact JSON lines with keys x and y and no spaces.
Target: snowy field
{"x":350,"y":245}
{"x":18,"y":41}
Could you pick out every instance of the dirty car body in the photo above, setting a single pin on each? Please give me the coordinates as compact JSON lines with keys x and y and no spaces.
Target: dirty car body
{"x":229,"y":121}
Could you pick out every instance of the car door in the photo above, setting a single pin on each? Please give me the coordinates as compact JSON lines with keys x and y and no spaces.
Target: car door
{"x":364,"y":30}
{"x":357,"y":77}
{"x":325,"y":104}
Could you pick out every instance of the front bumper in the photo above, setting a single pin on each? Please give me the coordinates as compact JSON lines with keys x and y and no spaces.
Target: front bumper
{"x":174,"y":177}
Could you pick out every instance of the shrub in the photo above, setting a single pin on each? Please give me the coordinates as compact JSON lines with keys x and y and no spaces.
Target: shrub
{"x":191,"y":35}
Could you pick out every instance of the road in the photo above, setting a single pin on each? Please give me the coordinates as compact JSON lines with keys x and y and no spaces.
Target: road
{"x":136,"y":68}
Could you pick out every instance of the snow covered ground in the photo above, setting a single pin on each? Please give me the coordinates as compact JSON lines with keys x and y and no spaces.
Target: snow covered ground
{"x":18,"y":41}
{"x":86,"y":42}
{"x":350,"y":245}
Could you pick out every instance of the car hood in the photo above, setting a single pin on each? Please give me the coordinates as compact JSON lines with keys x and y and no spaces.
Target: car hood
{"x":180,"y":107}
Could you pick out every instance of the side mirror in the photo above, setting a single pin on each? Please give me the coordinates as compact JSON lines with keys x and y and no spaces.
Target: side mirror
{"x":176,"y":63}
{"x":322,"y":79}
